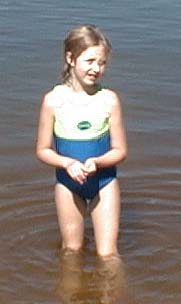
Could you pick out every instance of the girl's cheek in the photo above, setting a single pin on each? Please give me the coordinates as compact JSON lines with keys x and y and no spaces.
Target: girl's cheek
{"x":103,"y":70}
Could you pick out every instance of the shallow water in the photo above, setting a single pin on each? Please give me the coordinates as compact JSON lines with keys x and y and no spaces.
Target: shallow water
{"x":145,"y":68}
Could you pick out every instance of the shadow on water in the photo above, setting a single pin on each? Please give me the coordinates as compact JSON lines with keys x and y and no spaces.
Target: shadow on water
{"x":106,"y":283}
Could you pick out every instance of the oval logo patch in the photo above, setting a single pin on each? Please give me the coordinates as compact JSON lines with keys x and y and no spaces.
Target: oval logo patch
{"x":84,"y":125}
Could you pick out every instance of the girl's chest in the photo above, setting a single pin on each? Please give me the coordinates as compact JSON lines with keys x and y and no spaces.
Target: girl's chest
{"x":83,"y":120}
{"x":75,"y":113}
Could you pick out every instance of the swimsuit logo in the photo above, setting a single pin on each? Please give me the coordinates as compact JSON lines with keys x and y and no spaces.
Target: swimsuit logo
{"x":84,"y":125}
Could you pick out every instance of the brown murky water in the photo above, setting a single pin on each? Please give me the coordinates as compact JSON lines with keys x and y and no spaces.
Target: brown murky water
{"x":145,"y":66}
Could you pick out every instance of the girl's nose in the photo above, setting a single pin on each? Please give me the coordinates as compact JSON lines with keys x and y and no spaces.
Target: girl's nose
{"x":96,"y":67}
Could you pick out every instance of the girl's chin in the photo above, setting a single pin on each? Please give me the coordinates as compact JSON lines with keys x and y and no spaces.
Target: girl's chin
{"x":90,"y":81}
{"x":86,"y":84}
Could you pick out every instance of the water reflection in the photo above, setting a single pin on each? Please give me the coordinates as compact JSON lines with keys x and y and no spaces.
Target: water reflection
{"x":70,"y":276}
{"x":105,"y":284}
{"x":110,"y":279}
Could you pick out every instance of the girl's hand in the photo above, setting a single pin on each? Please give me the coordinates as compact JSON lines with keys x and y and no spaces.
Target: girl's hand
{"x":77,"y":171}
{"x":90,"y":166}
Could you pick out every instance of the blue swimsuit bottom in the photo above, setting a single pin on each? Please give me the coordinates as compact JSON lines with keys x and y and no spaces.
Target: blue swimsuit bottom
{"x":82,"y":150}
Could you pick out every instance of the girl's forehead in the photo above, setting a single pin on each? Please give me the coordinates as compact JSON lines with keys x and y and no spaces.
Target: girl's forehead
{"x":94,"y":51}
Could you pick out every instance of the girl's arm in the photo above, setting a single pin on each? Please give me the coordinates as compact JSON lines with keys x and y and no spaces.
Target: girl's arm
{"x":44,"y":150}
{"x":118,"y":151}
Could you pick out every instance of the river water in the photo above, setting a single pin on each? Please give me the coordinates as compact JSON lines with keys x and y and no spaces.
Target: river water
{"x":145,"y":67}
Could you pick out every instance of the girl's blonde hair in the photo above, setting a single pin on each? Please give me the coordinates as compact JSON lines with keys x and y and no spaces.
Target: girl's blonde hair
{"x":78,"y":40}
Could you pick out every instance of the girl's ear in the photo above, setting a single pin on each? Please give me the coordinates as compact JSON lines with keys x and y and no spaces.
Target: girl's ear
{"x":69,"y":59}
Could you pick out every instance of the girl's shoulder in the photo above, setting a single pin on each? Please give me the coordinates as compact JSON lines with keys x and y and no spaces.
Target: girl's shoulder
{"x":111,"y":97}
{"x":55,"y":96}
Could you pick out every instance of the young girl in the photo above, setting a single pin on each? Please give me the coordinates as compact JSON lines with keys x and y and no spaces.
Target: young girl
{"x":86,"y":122}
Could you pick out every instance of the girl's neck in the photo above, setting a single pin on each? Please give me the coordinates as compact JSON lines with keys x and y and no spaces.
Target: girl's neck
{"x":78,"y":88}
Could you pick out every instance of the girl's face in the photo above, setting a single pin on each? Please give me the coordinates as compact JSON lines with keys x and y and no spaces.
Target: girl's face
{"x":88,"y":67}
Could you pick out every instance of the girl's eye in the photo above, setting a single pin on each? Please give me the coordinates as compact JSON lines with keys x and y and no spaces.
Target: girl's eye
{"x":100,"y":63}
{"x":103,"y":62}
{"x":90,"y":61}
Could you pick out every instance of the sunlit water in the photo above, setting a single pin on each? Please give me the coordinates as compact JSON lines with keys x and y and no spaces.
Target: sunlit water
{"x":145,"y":67}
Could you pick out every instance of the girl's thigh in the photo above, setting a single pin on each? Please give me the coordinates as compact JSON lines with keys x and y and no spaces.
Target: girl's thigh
{"x":106,"y":217}
{"x":71,"y":213}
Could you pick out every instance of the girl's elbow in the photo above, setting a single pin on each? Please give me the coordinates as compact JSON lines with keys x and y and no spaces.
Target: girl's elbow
{"x":123,"y":157}
{"x":123,"y":154}
{"x":38,"y":153}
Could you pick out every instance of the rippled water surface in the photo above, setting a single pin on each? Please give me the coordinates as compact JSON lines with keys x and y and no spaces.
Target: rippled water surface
{"x":146,"y":68}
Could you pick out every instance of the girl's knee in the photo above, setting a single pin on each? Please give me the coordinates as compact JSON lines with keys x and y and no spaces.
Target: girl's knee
{"x":106,"y":255}
{"x":72,"y":248}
